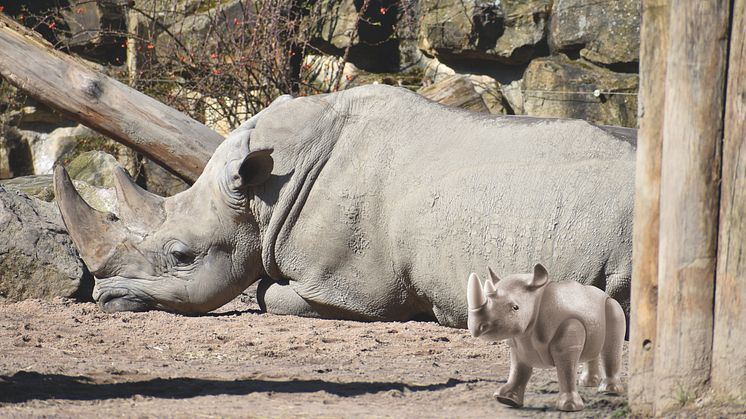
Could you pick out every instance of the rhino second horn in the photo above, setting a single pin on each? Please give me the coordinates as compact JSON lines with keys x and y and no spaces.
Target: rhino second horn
{"x":474,"y":297}
{"x":95,"y":234}
{"x":137,"y":207}
{"x":493,"y":276}
{"x":489,"y":287}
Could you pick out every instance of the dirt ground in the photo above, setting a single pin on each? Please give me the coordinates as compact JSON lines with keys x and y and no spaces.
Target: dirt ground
{"x":66,"y":359}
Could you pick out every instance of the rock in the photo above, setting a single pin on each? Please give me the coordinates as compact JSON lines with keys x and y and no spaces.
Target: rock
{"x":373,"y":41}
{"x":559,"y":87}
{"x":95,"y":29}
{"x":15,"y":154}
{"x":320,"y":71}
{"x":474,"y":93}
{"x":513,"y":95}
{"x":49,"y":143}
{"x":508,"y":31}
{"x":92,"y":174}
{"x":197,"y":32}
{"x":604,"y":32}
{"x":95,"y":168}
{"x":37,"y":257}
{"x":41,"y":187}
{"x":161,"y":182}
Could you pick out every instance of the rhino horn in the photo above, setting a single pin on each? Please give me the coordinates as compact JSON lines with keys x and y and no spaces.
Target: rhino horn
{"x":489,"y":287}
{"x":474,"y":296}
{"x":137,"y":207}
{"x":95,"y":234}
{"x":493,"y":276}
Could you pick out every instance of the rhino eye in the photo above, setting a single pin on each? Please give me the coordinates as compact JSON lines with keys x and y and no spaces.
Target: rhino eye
{"x":180,"y":254}
{"x":515,"y":307}
{"x":182,"y":258}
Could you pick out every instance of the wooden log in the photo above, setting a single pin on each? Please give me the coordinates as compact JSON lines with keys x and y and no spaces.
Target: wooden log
{"x":728,"y":355}
{"x":165,"y":135}
{"x":644,"y":293}
{"x":689,"y":199}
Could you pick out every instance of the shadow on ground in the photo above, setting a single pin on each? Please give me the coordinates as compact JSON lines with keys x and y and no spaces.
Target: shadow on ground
{"x":25,"y":386}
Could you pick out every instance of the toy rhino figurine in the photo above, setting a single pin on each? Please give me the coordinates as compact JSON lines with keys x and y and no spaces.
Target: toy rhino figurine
{"x":549,"y":324}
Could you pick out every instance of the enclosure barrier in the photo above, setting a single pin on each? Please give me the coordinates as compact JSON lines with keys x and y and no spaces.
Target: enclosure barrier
{"x":689,"y":271}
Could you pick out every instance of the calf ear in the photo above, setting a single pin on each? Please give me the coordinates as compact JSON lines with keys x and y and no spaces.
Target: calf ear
{"x":541,"y":276}
{"x":256,"y":168}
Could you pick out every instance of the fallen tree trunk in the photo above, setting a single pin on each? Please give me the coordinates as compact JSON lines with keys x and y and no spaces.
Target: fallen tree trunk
{"x":163,"y":134}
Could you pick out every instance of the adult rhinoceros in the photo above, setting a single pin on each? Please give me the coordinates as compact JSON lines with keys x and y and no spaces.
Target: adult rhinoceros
{"x":372,"y":204}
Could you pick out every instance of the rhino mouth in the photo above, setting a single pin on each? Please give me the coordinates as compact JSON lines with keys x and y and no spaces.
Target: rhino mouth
{"x":112,"y":300}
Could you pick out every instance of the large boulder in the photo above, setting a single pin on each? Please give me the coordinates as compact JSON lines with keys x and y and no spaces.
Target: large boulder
{"x":604,"y":32}
{"x":559,"y":87}
{"x":508,"y":31}
{"x":474,"y":93}
{"x":93,"y":176}
{"x":371,"y":34}
{"x":37,"y":257}
{"x":202,"y":30}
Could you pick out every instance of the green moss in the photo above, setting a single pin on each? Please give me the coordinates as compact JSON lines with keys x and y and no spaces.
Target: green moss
{"x":92,"y":143}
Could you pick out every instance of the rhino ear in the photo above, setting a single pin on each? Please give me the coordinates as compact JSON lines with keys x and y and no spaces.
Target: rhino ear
{"x":541,"y":276}
{"x":256,"y":168}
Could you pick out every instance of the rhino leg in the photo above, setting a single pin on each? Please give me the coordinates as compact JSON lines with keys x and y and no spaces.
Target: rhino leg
{"x":611,"y":355}
{"x":591,"y":375}
{"x":278,"y":298}
{"x":565,"y":349}
{"x":513,"y":391}
{"x":618,"y":288}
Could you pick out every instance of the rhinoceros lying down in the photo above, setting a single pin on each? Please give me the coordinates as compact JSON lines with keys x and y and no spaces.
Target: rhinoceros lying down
{"x":373,"y":204}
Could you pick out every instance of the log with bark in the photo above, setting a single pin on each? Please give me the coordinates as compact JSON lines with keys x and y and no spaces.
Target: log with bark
{"x":69,"y":85}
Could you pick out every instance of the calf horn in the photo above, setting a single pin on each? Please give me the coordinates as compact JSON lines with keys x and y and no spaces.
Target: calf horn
{"x":474,"y":297}
{"x":95,"y":234}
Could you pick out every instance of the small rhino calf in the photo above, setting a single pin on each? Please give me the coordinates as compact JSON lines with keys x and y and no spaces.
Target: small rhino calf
{"x":549,"y":324}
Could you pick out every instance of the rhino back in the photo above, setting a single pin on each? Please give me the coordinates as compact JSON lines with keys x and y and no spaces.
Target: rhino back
{"x":414,"y":196}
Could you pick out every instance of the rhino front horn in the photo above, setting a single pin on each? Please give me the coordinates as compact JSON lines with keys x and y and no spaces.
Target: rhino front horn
{"x":474,"y":297}
{"x":95,"y":234}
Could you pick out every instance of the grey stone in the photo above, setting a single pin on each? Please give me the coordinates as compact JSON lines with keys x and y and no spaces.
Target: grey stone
{"x":471,"y":92}
{"x":94,"y":168}
{"x":560,"y":87}
{"x":160,"y":181}
{"x":40,"y":187}
{"x":37,"y":257}
{"x":198,"y":31}
{"x":604,"y":32}
{"x":508,"y":31}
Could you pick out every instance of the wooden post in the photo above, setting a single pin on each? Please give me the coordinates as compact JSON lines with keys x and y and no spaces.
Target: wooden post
{"x":644,"y":293}
{"x":689,"y":199}
{"x":167,"y":136}
{"x":728,"y":353}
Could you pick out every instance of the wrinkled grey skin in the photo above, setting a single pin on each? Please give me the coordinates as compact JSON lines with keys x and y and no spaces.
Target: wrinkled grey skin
{"x":549,"y":324}
{"x":378,"y":205}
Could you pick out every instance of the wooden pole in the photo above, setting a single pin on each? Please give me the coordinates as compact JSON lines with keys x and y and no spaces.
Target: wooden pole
{"x":728,"y":353}
{"x":689,"y":199}
{"x":644,"y":293}
{"x":167,"y":136}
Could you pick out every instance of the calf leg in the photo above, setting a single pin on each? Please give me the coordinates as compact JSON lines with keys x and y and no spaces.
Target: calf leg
{"x":591,"y":376}
{"x":565,"y":348}
{"x":611,"y":354}
{"x":511,"y":393}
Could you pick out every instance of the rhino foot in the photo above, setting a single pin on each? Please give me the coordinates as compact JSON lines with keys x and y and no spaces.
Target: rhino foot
{"x":509,"y":396}
{"x":611,"y":387}
{"x":570,"y":402}
{"x":589,"y":380}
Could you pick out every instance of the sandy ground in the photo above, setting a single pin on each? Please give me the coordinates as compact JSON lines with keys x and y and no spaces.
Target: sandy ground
{"x":66,"y":359}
